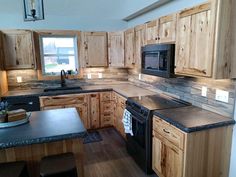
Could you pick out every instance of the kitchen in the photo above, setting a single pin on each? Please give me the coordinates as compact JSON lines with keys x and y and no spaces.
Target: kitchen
{"x":107,"y":64}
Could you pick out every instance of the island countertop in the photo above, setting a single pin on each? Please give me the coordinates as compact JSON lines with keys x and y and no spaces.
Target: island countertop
{"x":43,"y":127}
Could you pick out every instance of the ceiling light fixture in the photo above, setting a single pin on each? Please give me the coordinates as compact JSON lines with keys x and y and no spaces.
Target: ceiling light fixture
{"x":33,"y":10}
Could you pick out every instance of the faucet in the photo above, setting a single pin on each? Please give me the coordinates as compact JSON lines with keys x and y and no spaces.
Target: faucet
{"x":63,"y":78}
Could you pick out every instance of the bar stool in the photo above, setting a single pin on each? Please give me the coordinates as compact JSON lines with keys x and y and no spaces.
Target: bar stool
{"x":13,"y":169}
{"x":62,"y":165}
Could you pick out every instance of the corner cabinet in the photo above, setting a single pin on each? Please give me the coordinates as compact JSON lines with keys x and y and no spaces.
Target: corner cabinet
{"x":94,"y":49}
{"x":18,"y":49}
{"x":116,"y":49}
{"x":179,"y":154}
{"x":129,"y":48}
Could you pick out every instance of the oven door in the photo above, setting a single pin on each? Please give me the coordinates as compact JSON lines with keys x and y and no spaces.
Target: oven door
{"x":136,"y":144}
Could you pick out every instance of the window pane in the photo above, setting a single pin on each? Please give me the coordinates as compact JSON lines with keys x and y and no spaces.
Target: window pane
{"x":53,"y":45}
{"x":54,"y":64}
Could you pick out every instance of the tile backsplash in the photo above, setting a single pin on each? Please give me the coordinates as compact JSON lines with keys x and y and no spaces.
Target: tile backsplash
{"x":190,"y":89}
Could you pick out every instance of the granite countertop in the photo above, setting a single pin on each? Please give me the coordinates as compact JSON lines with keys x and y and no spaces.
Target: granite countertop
{"x":190,"y":119}
{"x":124,"y":89}
{"x":44,"y":127}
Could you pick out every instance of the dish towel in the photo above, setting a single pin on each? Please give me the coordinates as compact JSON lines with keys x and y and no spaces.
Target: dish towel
{"x":127,"y":121}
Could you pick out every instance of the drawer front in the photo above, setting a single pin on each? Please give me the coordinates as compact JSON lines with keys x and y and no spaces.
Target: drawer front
{"x":106,"y":120}
{"x":171,"y":133}
{"x":106,"y":107}
{"x":62,"y":100}
{"x":106,"y":96}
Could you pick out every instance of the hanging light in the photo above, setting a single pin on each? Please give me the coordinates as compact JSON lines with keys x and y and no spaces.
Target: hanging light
{"x":33,"y":10}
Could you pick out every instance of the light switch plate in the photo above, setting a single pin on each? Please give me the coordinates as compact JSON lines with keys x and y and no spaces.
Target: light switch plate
{"x":100,"y":75}
{"x":222,"y":95}
{"x":204,"y":91}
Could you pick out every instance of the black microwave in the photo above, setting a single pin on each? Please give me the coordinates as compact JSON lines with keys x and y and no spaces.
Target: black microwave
{"x":158,"y":60}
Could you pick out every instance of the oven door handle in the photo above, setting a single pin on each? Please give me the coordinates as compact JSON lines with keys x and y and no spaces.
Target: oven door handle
{"x":137,"y":119}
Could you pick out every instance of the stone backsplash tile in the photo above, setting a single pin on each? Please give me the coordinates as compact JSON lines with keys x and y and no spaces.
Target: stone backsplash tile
{"x":189,"y":89}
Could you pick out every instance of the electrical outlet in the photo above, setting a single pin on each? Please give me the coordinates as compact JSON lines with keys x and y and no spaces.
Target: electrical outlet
{"x":139,"y":76}
{"x":89,"y":76}
{"x":204,"y":91}
{"x":222,"y":95}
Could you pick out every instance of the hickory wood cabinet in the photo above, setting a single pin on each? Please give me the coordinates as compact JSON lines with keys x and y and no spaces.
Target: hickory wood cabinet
{"x":179,"y":154}
{"x":94,"y":49}
{"x":129,"y":48}
{"x":204,"y":44}
{"x":97,"y":110}
{"x":140,"y":41}
{"x":18,"y":49}
{"x":116,"y":49}
{"x":162,"y":30}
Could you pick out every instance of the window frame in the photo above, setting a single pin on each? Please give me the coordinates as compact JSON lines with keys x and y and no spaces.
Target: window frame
{"x":42,"y":55}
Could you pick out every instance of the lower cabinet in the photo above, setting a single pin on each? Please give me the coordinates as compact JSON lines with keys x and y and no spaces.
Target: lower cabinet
{"x":198,"y":154}
{"x":96,"y":110}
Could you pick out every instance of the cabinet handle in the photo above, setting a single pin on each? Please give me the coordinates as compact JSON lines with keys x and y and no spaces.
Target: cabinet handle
{"x":165,"y":130}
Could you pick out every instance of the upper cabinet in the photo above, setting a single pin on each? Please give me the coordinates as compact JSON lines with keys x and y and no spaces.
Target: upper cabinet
{"x":195,"y":41}
{"x":1,"y":52}
{"x":152,"y":32}
{"x":129,"y":48}
{"x":18,"y":49}
{"x":116,"y":49}
{"x":94,"y":49}
{"x":167,"y":29}
{"x":140,"y":41}
{"x":204,"y":41}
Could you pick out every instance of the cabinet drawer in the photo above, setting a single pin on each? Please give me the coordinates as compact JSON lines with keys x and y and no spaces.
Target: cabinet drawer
{"x":106,"y":96}
{"x":169,"y":132}
{"x":106,"y":107}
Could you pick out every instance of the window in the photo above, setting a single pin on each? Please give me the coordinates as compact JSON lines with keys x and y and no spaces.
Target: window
{"x":59,"y":53}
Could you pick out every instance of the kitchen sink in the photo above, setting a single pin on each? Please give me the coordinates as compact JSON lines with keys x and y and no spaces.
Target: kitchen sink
{"x":62,"y":88}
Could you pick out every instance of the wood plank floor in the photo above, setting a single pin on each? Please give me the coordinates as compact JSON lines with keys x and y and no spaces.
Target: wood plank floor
{"x":109,"y":158}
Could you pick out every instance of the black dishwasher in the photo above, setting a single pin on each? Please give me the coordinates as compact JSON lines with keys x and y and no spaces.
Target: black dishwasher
{"x":28,"y":103}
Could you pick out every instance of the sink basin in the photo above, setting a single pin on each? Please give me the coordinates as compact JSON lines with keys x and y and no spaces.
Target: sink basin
{"x":62,"y":88}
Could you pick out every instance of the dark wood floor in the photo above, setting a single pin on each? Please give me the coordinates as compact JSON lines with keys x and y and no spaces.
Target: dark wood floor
{"x":109,"y":158}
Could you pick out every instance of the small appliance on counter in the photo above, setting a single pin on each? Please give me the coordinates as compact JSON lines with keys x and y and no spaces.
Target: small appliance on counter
{"x":139,"y":144}
{"x":158,"y":60}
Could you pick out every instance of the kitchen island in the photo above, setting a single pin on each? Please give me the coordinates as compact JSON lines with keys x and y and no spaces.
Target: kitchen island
{"x":47,"y":133}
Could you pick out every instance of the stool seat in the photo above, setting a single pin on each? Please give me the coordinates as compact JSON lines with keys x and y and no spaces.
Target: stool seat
{"x":58,"y":165}
{"x":13,"y":169}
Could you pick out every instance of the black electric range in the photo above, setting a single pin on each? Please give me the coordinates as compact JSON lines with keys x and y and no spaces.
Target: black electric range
{"x":139,"y":146}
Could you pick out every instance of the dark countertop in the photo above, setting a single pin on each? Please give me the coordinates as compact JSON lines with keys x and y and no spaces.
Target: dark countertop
{"x":44,"y":127}
{"x":190,"y":119}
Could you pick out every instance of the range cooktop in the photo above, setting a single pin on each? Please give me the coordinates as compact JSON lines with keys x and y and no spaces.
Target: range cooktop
{"x":157,"y":102}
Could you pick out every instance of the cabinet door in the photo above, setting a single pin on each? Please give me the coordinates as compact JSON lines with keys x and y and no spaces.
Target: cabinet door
{"x":18,"y":49}
{"x":152,"y":32}
{"x":167,"y":29}
{"x":94,"y":114}
{"x":95,"y":49}
{"x":140,"y":41}
{"x":167,"y":160}
{"x":195,"y":40}
{"x":129,"y":48}
{"x":1,"y":52}
{"x":116,"y":49}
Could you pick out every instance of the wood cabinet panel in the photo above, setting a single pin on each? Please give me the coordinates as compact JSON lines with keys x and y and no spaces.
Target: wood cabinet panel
{"x":95,"y":49}
{"x":167,"y":159}
{"x":195,"y":40}
{"x":167,"y":29}
{"x":116,"y":49}
{"x":94,"y":115}
{"x":152,"y":32}
{"x":18,"y":49}
{"x":140,"y":41}
{"x":129,"y":48}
